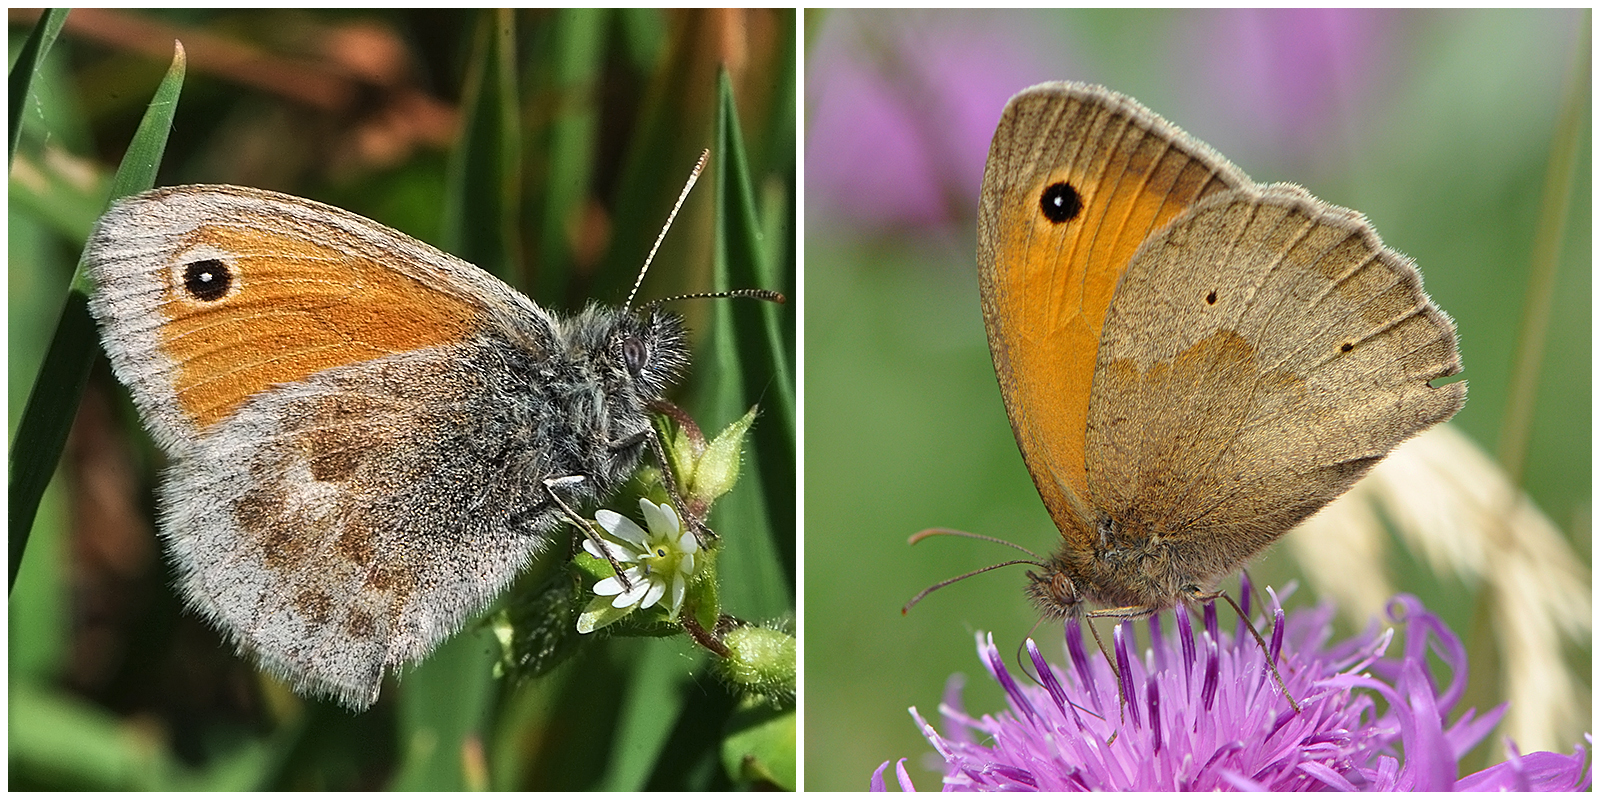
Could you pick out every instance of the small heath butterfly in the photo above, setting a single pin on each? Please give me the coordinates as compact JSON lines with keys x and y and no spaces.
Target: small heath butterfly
{"x":369,"y":438}
{"x":1192,"y":362}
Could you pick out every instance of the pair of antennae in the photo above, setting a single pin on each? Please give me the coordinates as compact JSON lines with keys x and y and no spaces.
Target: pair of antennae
{"x":932,"y":532}
{"x":760,"y":294}
{"x":654,"y":439}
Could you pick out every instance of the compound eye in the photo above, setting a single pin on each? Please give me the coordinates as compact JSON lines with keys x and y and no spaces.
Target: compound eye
{"x":1062,"y":590}
{"x":634,"y":354}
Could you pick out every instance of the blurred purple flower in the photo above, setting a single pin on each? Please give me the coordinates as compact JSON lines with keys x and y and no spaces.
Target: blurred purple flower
{"x":901,"y":105}
{"x":901,"y":110}
{"x":1206,"y":716}
{"x":1295,"y":79}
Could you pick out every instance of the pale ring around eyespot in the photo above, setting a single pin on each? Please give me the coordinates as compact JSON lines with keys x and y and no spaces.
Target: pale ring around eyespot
{"x":187,"y":278}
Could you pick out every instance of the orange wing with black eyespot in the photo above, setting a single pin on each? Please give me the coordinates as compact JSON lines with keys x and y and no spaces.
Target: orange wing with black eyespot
{"x":210,"y":295}
{"x":1078,"y":178}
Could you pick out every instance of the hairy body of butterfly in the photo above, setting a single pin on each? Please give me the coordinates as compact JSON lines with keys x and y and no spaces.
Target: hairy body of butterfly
{"x":362,"y":429}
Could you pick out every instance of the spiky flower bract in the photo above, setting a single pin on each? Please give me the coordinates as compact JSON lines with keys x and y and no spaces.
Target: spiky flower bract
{"x":1203,"y":713}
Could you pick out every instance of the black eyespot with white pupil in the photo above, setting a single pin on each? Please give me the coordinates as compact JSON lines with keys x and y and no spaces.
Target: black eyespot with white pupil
{"x":635,"y":354}
{"x":1060,"y":202}
{"x":207,"y":280}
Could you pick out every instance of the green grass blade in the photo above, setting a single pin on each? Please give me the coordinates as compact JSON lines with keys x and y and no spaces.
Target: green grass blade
{"x":42,"y":432}
{"x":28,"y":61}
{"x":1554,"y":208}
{"x":749,"y":355}
{"x":444,"y":710}
{"x":673,"y":127}
{"x":655,"y":697}
{"x":752,"y":352}
{"x":137,"y":172}
{"x":485,"y":180}
{"x":690,"y":757}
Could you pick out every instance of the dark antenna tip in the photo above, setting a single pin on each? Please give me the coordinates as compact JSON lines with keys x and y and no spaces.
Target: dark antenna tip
{"x":753,"y":294}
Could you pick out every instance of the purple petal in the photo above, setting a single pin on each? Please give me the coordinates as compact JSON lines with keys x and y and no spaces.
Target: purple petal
{"x":1120,"y":636}
{"x":1326,"y":775}
{"x":1541,"y":772}
{"x":1277,"y":635}
{"x":876,"y":785}
{"x":1430,"y":763}
{"x":1047,"y":676}
{"x":1080,"y":661}
{"x":997,"y":668}
{"x":952,"y":707}
{"x":903,"y":777}
{"x":1470,"y":729}
{"x":1208,"y":695}
{"x":1186,"y":640}
{"x":1153,"y":697}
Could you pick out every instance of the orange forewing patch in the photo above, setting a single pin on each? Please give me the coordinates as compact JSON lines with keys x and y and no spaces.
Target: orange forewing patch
{"x":1058,"y":279}
{"x":300,"y":308}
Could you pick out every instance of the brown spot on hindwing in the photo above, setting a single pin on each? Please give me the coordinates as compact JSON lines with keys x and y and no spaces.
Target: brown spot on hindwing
{"x":261,"y":514}
{"x":315,"y":605}
{"x":360,"y":624}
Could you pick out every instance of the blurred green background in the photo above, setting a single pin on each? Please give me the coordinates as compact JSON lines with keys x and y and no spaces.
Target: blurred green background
{"x":1437,"y":125}
{"x":111,"y":684}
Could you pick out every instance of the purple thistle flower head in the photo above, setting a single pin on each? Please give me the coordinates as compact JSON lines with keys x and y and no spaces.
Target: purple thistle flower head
{"x":1203,"y":713}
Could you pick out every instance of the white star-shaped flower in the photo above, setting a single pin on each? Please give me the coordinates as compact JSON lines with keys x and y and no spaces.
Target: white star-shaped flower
{"x":657,"y":564}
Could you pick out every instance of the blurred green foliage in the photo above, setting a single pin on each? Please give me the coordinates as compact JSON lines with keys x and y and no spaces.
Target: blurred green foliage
{"x":544,"y":145}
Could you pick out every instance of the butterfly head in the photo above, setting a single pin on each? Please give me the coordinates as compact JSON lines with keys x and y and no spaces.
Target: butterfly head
{"x":634,"y":356}
{"x":1054,"y":592}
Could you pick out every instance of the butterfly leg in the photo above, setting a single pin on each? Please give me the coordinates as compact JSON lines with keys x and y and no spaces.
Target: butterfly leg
{"x":1195,"y":595}
{"x":1122,"y":613}
{"x":702,"y":532}
{"x":550,"y":485}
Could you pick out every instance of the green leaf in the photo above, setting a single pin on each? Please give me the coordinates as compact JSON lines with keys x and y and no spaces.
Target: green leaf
{"x":654,"y":695}
{"x":575,"y":57}
{"x":716,"y":469}
{"x":749,"y":367}
{"x":760,"y":749}
{"x":444,"y":716}
{"x":62,"y":740}
{"x":20,"y":84}
{"x":47,"y":418}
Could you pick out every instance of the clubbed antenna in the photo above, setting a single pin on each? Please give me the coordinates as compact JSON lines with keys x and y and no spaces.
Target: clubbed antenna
{"x":920,"y":535}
